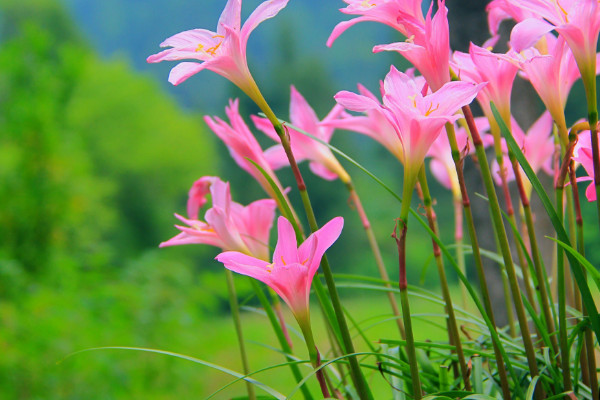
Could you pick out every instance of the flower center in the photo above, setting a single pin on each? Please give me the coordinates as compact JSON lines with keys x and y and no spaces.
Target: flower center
{"x":213,"y":49}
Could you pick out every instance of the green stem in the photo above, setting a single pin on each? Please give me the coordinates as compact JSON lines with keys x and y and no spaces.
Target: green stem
{"x":281,"y":337}
{"x":562,"y":307}
{"x":589,"y":338}
{"x":589,"y":83}
{"x":458,"y":239}
{"x":235,"y":313}
{"x":313,"y":352}
{"x":377,"y":254}
{"x":355,"y":371}
{"x":452,"y":325}
{"x":466,"y":204}
{"x":544,"y":296}
{"x":409,"y":184}
{"x":505,"y":248}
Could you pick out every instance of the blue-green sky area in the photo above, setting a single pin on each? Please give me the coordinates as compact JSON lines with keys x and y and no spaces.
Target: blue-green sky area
{"x":134,"y":29}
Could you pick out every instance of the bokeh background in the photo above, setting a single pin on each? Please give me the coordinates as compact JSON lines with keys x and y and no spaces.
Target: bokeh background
{"x":98,"y":150}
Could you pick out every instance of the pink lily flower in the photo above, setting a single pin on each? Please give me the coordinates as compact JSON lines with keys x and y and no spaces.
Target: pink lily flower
{"x":442,"y":165}
{"x":243,"y":145}
{"x":223,"y":51}
{"x":552,"y":75}
{"x":291,"y":273}
{"x":374,"y":124}
{"x":384,"y":11}
{"x":537,"y":145}
{"x":417,"y":118}
{"x":578,"y":21}
{"x":427,"y":46}
{"x":500,"y":10}
{"x":322,"y":161}
{"x":229,"y":225}
{"x":583,"y":155}
{"x":481,"y":65}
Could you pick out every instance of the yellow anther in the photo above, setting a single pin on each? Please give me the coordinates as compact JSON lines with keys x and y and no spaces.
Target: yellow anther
{"x":430,"y":110}
{"x":563,"y":11}
{"x":283,"y":261}
{"x":366,"y":3}
{"x":213,"y":50}
{"x":200,"y":47}
{"x":414,"y":100}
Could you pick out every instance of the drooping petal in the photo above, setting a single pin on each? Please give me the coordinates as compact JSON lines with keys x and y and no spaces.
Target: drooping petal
{"x":184,"y":70}
{"x":197,"y":195}
{"x":526,"y":33}
{"x":356,"y":102}
{"x":246,"y":265}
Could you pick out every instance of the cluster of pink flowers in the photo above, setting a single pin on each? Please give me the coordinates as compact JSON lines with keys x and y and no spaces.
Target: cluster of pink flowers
{"x":408,"y":120}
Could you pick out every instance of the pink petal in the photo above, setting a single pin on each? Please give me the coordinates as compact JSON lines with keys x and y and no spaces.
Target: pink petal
{"x":258,"y":220}
{"x":355,"y":102}
{"x":197,"y":195}
{"x":526,"y":33}
{"x":231,"y":16}
{"x":286,"y":250}
{"x":246,"y":265}
{"x":325,"y":236}
{"x":276,"y":157}
{"x":189,"y":39}
{"x":184,"y":70}
{"x":341,"y":28}
{"x":322,"y":171}
{"x":301,"y":113}
{"x":264,"y":11}
{"x":439,"y":171}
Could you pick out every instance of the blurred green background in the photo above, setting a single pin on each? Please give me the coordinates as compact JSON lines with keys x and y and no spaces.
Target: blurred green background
{"x":97,"y":152}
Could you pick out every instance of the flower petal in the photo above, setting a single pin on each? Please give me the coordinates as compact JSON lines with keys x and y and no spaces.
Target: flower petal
{"x":184,"y":70}
{"x":286,"y":250}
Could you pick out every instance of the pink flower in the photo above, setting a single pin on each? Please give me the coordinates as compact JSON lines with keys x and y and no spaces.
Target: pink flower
{"x":373,"y":124}
{"x":322,"y":161}
{"x":291,"y":273}
{"x":552,"y":75}
{"x":442,"y":165}
{"x":384,"y":11}
{"x":499,"y":10}
{"x":242,"y":146}
{"x":481,"y":65}
{"x":228,"y":225}
{"x":223,"y":51}
{"x":537,"y":146}
{"x":427,"y":46}
{"x":583,"y":155}
{"x":418,"y":119}
{"x":578,"y":21}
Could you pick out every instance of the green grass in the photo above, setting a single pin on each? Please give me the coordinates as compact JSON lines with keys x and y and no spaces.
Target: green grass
{"x":163,"y":308}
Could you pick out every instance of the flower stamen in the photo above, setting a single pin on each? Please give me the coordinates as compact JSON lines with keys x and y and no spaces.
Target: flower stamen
{"x":430,"y":109}
{"x":212,"y":50}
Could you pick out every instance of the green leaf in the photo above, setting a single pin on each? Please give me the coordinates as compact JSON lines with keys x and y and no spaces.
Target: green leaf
{"x":574,"y":264}
{"x":256,"y":383}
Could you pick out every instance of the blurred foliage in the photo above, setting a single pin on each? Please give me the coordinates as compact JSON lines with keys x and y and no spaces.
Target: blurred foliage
{"x":93,"y":156}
